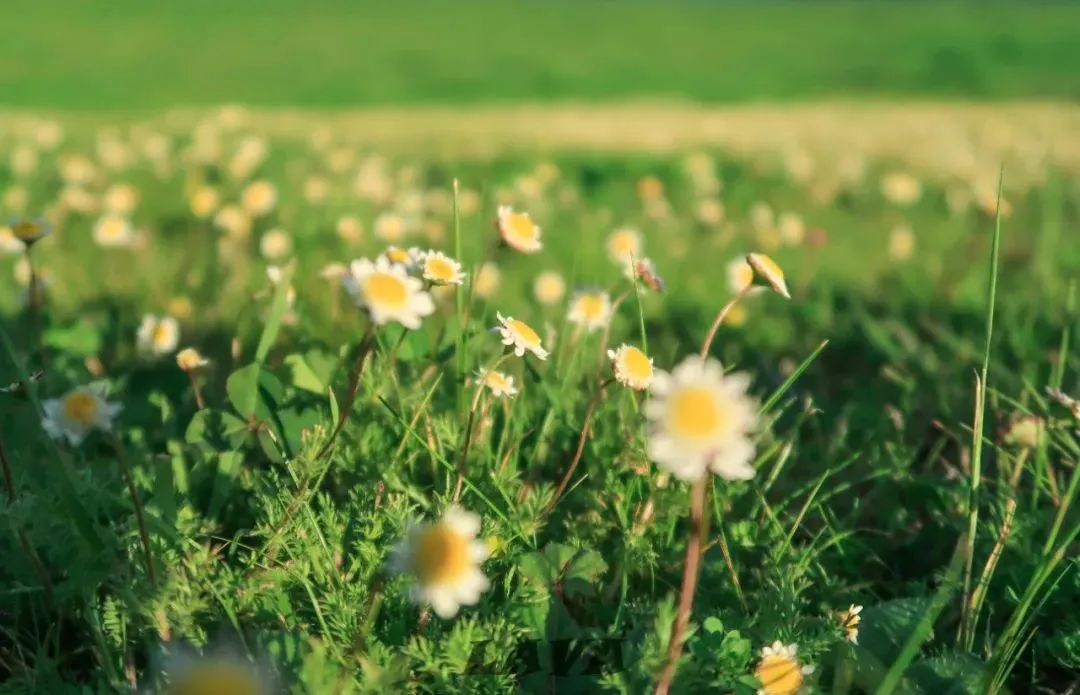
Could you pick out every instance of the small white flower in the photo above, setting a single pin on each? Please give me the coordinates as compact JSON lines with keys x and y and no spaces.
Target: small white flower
{"x":633,"y":368}
{"x":549,"y":287}
{"x":521,"y":336}
{"x":259,"y":198}
{"x":500,"y":385}
{"x":275,"y":244}
{"x":78,"y":412}
{"x":387,"y":292}
{"x":701,"y":419}
{"x":518,"y":230}
{"x":113,"y":230}
{"x":444,"y":559}
{"x":624,"y":244}
{"x":440,"y":269}
{"x":158,"y":335}
{"x":590,"y":309}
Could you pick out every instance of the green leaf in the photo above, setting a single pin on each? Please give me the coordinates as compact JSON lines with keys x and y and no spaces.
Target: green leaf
{"x":312,"y":370}
{"x":80,"y":340}
{"x":273,"y":321}
{"x":243,"y":389}
{"x":216,"y":429}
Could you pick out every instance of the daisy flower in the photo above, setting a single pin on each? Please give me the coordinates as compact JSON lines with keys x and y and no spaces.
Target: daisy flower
{"x":259,"y":198}
{"x":500,"y":384}
{"x":518,"y":230}
{"x":739,"y":274}
{"x":440,"y":269}
{"x":549,"y":287}
{"x":487,"y":280}
{"x":901,"y":188}
{"x":157,"y":335}
{"x":349,"y":229}
{"x":624,"y":244}
{"x":120,"y":199}
{"x":700,"y":419}
{"x":78,"y":412}
{"x":234,"y":221}
{"x":521,"y":336}
{"x":633,"y":368}
{"x":389,"y":227}
{"x":204,"y":201}
{"x":29,"y":231}
{"x":8,"y":243}
{"x":849,"y":621}
{"x":275,"y":244}
{"x":113,"y":231}
{"x":444,"y":558}
{"x":217,"y":675}
{"x":400,"y":256}
{"x":768,"y":273}
{"x":190,"y":359}
{"x":780,"y":672}
{"x":387,"y":292}
{"x":590,"y":309}
{"x":901,"y":243}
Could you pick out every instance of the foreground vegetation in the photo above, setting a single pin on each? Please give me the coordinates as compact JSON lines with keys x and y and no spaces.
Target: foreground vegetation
{"x":248,"y":509}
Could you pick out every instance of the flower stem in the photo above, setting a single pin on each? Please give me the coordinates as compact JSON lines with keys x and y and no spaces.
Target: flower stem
{"x":354,"y":386}
{"x":24,"y":539}
{"x":200,"y":402}
{"x":580,"y":445}
{"x":720,"y":319}
{"x":144,"y":536}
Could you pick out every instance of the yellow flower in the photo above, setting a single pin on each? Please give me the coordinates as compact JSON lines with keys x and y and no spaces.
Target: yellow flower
{"x":901,"y":188}
{"x":121,"y":199}
{"x":779,"y":671}
{"x":387,"y":292}
{"x":590,"y":309}
{"x":633,"y":368}
{"x":498,"y":383}
{"x":518,"y":230}
{"x":234,"y":221}
{"x":444,"y":560}
{"x":701,"y":420}
{"x":768,"y":273}
{"x":438,"y":268}
{"x":521,"y":336}
{"x":350,"y":230}
{"x":78,"y":412}
{"x":189,"y":359}
{"x":549,"y":287}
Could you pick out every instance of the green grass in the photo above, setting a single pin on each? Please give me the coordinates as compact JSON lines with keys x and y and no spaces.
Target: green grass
{"x":134,"y":55}
{"x":264,"y":548}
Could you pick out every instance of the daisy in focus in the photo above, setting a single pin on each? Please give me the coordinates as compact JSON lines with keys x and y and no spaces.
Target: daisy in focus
{"x":501,"y":385}
{"x":518,"y":230}
{"x":590,"y":309}
{"x":387,"y":292}
{"x":78,"y":412}
{"x":444,"y":558}
{"x":157,"y":335}
{"x":440,"y":269}
{"x":701,"y":419}
{"x":215,"y":676}
{"x":632,"y":367}
{"x":849,"y":621}
{"x":521,"y":336}
{"x":780,"y":672}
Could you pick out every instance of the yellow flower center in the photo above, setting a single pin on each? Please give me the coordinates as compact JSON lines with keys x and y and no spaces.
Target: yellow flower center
{"x":591,"y":306}
{"x":442,"y":555}
{"x":496,"y":380}
{"x":624,"y":243}
{"x":26,"y":230}
{"x":636,"y":363}
{"x":745,"y":275}
{"x":112,"y":228}
{"x":519,"y":226}
{"x":439,"y":268}
{"x":695,"y":414}
{"x":216,"y":679}
{"x":161,"y":334}
{"x":779,"y":675}
{"x":81,"y":408}
{"x":523,"y":331}
{"x":398,"y":255}
{"x":386,"y":289}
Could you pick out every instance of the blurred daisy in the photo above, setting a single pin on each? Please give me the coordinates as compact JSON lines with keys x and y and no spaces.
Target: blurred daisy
{"x":779,"y":671}
{"x":590,"y":309}
{"x":113,"y":231}
{"x":157,"y":335}
{"x":500,"y":385}
{"x":740,"y":275}
{"x":440,"y":269}
{"x":189,"y":359}
{"x":650,"y":188}
{"x":216,"y":675}
{"x":624,"y":244}
{"x":710,"y":211}
{"x":403,"y":257}
{"x":204,"y":201}
{"x":120,"y":199}
{"x":390,"y":227}
{"x":901,"y":243}
{"x":792,"y":228}
{"x":444,"y":558}
{"x":487,"y":280}
{"x":316,"y":189}
{"x":8,"y":243}
{"x":701,"y":419}
{"x":549,"y":287}
{"x":334,"y":272}
{"x":259,"y":198}
{"x":78,"y":412}
{"x":234,"y":221}
{"x":633,"y":368}
{"x":275,"y":245}
{"x":349,"y":229}
{"x":901,"y":188}
{"x":768,"y":274}
{"x":387,"y":292}
{"x":518,"y":230}
{"x":29,"y":231}
{"x":180,"y":307}
{"x":849,"y":621}
{"x":521,"y":336}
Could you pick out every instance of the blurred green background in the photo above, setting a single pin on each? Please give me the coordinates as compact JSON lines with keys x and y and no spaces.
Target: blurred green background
{"x":133,"y":55}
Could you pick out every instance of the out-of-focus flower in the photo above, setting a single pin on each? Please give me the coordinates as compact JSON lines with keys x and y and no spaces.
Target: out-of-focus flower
{"x":520,"y":336}
{"x":259,"y":198}
{"x":590,"y":309}
{"x":518,"y":230}
{"x":112,"y":231}
{"x":549,"y":287}
{"x":157,"y":335}
{"x":275,"y":244}
{"x":501,"y":385}
{"x":189,"y":359}
{"x":78,"y":412}
{"x":780,"y":672}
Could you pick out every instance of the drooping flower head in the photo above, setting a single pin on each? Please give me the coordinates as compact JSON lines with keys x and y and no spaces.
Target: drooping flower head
{"x":501,"y":385}
{"x":701,"y":420}
{"x":443,"y":558}
{"x":518,"y":230}
{"x":388,"y":293}
{"x":520,"y":336}
{"x":768,"y":274}
{"x":849,"y":622}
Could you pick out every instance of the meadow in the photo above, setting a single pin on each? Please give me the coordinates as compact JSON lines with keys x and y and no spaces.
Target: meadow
{"x":459,"y":394}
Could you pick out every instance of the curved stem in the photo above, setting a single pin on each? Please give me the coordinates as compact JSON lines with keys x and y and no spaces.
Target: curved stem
{"x":200,"y":402}
{"x":720,"y":319}
{"x":354,"y":386}
{"x":698,"y":531}
{"x":144,"y":535}
{"x":467,"y":443}
{"x":580,"y":445}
